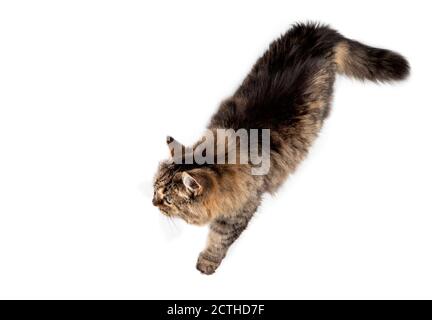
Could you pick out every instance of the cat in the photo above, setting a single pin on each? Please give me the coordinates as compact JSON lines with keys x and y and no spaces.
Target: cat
{"x":288,"y":91}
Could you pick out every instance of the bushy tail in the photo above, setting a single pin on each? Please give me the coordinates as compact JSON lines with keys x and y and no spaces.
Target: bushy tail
{"x":360,"y":61}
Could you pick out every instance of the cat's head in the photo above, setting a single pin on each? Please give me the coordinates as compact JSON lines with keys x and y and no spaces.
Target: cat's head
{"x":184,"y":191}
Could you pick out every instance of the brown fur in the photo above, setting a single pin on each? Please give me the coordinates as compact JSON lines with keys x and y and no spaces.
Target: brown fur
{"x":288,"y":91}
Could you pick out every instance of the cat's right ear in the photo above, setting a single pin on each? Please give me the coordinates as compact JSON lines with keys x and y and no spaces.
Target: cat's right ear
{"x":191,"y":184}
{"x":175,"y":147}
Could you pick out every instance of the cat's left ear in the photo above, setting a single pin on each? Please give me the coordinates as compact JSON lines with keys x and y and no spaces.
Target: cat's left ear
{"x":192,"y":184}
{"x":174,"y":146}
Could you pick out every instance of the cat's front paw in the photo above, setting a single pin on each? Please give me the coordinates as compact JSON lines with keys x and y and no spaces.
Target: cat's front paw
{"x":206,"y":264}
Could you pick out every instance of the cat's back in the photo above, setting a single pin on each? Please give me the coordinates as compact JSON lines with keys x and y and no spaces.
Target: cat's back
{"x":274,"y":92}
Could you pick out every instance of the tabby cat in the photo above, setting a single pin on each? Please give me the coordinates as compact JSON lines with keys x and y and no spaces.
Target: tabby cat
{"x":288,"y":91}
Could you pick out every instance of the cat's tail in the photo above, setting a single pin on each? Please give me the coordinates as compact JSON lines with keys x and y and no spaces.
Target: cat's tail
{"x":360,"y":61}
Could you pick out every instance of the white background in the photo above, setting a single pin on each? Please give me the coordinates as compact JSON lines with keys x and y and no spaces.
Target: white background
{"x":88,"y":91}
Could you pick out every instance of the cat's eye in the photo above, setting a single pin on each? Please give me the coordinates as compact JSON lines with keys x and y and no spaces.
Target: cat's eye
{"x":168,"y":199}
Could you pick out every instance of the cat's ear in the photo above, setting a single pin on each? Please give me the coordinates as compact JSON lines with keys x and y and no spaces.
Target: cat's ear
{"x":174,"y":146}
{"x":192,"y":184}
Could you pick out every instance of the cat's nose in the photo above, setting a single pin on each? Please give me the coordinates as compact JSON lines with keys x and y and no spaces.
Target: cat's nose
{"x":156,"y":201}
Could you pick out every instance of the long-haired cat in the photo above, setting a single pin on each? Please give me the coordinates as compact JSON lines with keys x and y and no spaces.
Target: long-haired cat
{"x":288,"y":91}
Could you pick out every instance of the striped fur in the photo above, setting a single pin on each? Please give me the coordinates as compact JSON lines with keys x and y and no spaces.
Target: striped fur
{"x":288,"y":91}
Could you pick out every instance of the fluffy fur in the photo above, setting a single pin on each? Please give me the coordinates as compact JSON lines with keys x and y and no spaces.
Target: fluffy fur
{"x":288,"y":91}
